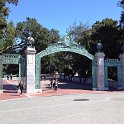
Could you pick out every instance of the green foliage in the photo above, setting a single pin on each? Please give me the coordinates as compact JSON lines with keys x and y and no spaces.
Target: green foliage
{"x":7,"y":38}
{"x":7,"y":32}
{"x":107,"y":32}
{"x":42,"y":36}
{"x":4,"y":12}
{"x":121,"y":4}
{"x":13,"y":1}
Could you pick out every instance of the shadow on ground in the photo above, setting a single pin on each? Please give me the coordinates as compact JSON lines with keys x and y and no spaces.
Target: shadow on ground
{"x":68,"y":85}
{"x":8,"y":88}
{"x":73,"y":85}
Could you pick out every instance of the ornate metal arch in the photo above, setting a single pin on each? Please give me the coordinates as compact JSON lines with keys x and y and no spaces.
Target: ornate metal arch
{"x":65,"y":44}
{"x":59,"y":48}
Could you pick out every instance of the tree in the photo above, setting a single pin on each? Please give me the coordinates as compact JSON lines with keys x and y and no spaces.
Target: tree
{"x":107,"y":32}
{"x":4,"y":28}
{"x":76,"y":30}
{"x":4,"y":11}
{"x":42,"y":36}
{"x":81,"y":33}
{"x":8,"y":39}
{"x":121,"y":4}
{"x":121,"y":35}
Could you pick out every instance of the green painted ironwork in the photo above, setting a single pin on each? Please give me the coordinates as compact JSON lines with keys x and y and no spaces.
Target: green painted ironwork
{"x":113,"y":63}
{"x":22,"y":69}
{"x":94,"y":84}
{"x":65,"y":44}
{"x":12,"y":59}
{"x":37,"y":73}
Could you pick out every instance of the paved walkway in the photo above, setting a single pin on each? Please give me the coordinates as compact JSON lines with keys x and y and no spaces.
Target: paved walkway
{"x":86,"y":108}
{"x":10,"y":90}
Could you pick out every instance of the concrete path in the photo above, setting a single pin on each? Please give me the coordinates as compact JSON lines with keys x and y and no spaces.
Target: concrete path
{"x":66,"y":106}
{"x":65,"y":109}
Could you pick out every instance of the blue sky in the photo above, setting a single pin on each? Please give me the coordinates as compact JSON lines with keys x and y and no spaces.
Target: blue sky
{"x":60,"y":14}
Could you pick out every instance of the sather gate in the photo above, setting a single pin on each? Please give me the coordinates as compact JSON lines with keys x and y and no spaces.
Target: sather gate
{"x":66,"y":44}
{"x":31,"y":68}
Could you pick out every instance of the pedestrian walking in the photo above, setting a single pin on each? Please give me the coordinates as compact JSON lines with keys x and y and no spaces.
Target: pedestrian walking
{"x":11,"y":76}
{"x":55,"y":85}
{"x":21,"y":87}
{"x":51,"y":82}
{"x":7,"y":76}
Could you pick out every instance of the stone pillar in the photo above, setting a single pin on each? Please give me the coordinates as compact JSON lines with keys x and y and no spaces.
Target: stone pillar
{"x":30,"y":70}
{"x":122,"y":76}
{"x":100,"y":70}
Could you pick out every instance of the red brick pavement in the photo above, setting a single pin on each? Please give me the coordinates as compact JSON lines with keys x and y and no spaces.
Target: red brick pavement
{"x":13,"y":94}
{"x":5,"y":96}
